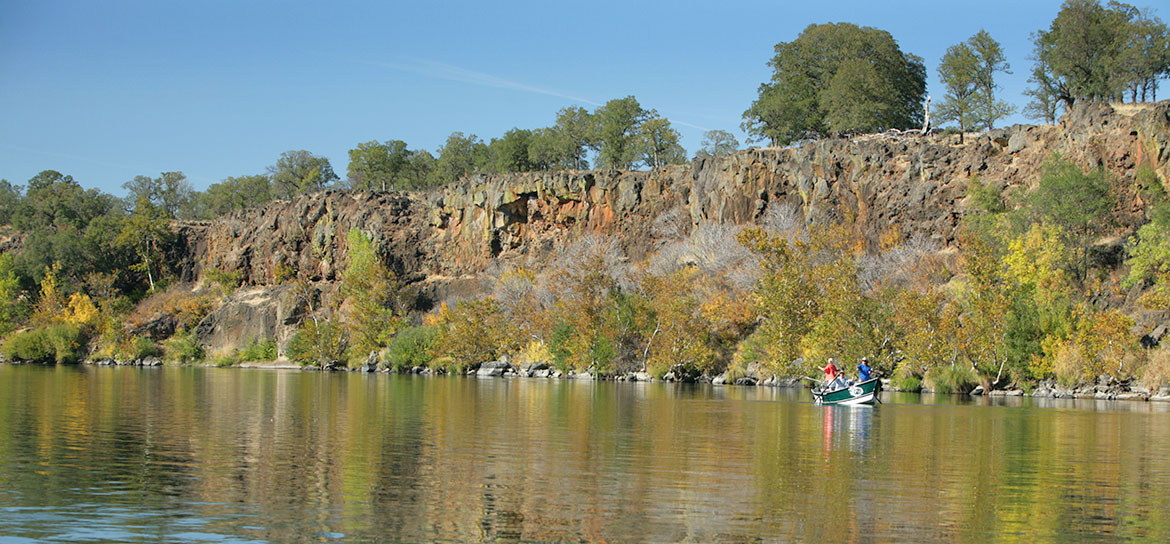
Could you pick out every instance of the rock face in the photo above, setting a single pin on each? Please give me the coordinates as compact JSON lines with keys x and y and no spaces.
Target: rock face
{"x":251,"y":315}
{"x":442,"y":241}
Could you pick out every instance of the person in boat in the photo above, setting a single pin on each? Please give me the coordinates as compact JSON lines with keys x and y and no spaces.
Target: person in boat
{"x":833,"y":379}
{"x":863,"y":370}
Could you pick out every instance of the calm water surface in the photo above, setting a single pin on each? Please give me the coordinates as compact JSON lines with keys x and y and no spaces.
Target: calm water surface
{"x":231,"y":455}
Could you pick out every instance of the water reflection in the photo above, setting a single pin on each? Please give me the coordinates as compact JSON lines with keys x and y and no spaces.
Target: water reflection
{"x":117,"y":454}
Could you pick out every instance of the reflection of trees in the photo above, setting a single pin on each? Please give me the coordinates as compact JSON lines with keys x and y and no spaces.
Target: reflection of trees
{"x":300,"y":454}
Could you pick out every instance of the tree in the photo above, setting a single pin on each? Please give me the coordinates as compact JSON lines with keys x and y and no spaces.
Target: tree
{"x":170,"y":192}
{"x":510,"y":152}
{"x":460,"y":156}
{"x":469,"y":333}
{"x":146,"y":232}
{"x":657,"y":142}
{"x":618,"y":123}
{"x":68,"y":225}
{"x":968,"y":72}
{"x":572,"y":135}
{"x":1081,"y":204}
{"x":9,"y":199}
{"x":375,"y":166}
{"x":1095,"y":52}
{"x":837,"y":77}
{"x":11,"y":304}
{"x":717,"y":143}
{"x":990,"y":59}
{"x":370,"y":290}
{"x":231,"y":194}
{"x":53,"y":199}
{"x":299,"y":172}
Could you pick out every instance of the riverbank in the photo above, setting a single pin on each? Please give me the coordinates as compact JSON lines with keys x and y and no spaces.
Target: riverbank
{"x":1104,"y":389}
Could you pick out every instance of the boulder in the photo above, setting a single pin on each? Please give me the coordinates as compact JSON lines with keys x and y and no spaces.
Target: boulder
{"x":250,"y":315}
{"x":746,"y":380}
{"x":495,"y":368}
{"x":371,"y":363}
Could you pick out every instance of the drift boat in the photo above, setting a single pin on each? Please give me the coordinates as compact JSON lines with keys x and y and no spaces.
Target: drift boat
{"x":858,"y":393}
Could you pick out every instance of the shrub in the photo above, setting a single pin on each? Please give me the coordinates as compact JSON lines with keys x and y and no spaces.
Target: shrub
{"x":1156,"y":371}
{"x":905,"y":379}
{"x":182,"y":348}
{"x":59,"y":343}
{"x":319,"y":343}
{"x":411,"y":347}
{"x":265,"y":350}
{"x":227,"y":360}
{"x":735,"y":372}
{"x":228,"y":281}
{"x":142,"y":347}
{"x":188,"y":308}
{"x":952,"y":379}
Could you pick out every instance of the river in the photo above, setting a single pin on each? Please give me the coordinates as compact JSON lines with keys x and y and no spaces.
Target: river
{"x":98,"y":454}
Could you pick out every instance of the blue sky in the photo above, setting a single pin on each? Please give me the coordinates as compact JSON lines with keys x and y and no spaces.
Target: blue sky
{"x":105,"y":91}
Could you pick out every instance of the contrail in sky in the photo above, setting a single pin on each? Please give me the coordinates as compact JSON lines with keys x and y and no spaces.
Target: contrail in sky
{"x":455,"y":73}
{"x":464,"y":75}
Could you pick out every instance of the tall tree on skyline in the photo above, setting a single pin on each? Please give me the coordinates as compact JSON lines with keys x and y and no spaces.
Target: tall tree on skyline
{"x":618,"y":123}
{"x":1096,"y":52}
{"x":837,"y":77}
{"x":967,"y":70}
{"x":298,"y":172}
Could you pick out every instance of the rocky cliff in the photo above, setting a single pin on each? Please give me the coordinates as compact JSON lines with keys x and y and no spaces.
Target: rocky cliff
{"x":442,"y":241}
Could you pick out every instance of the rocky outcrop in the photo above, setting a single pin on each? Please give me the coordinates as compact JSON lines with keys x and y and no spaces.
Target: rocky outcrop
{"x":255,"y":314}
{"x":441,"y":242}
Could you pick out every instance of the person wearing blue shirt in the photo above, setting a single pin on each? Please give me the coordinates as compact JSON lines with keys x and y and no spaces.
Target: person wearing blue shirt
{"x":863,"y":370}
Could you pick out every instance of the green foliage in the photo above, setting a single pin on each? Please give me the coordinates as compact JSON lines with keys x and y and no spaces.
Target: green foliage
{"x":510,"y":153}
{"x":10,"y":196}
{"x":259,"y":350}
{"x":657,"y":142}
{"x":146,"y":232}
{"x":906,"y":380}
{"x":375,"y":166}
{"x":411,"y":347}
{"x":617,"y":125}
{"x":967,"y":70}
{"x":13,"y":308}
{"x":952,"y":379}
{"x":370,"y":290}
{"x":183,"y":348}
{"x":70,"y":226}
{"x":1079,"y":203}
{"x":319,"y":343}
{"x":560,"y":346}
{"x":808,"y":287}
{"x":564,"y":144}
{"x":1095,"y":52}
{"x":1149,"y":248}
{"x":460,"y":156}
{"x":231,"y":194}
{"x":299,"y":172}
{"x":170,"y":192}
{"x":717,"y":143}
{"x":985,"y":197}
{"x":61,"y":343}
{"x":142,"y":347}
{"x":837,"y":77}
{"x":471,"y":333}
{"x":227,"y":280}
